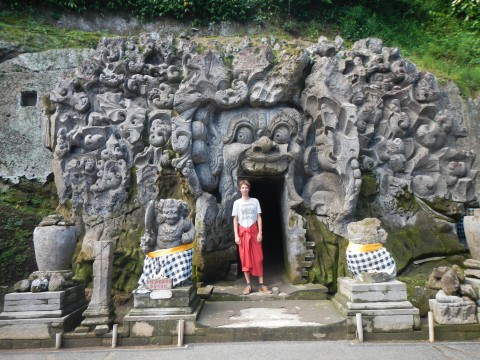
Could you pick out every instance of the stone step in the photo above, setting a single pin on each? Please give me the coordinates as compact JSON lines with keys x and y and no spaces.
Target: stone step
{"x":233,"y":292}
{"x":281,"y":320}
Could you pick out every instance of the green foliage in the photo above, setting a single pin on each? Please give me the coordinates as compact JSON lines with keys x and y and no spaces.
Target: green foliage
{"x":22,"y":207}
{"x":469,"y":10}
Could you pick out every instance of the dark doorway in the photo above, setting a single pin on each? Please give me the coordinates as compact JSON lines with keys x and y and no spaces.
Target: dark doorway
{"x":268,"y":191}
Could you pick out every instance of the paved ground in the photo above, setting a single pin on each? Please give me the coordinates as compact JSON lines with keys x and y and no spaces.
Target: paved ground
{"x":344,"y":350}
{"x":269,"y":314}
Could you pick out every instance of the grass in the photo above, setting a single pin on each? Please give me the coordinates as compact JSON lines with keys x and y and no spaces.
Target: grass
{"x":34,"y":34}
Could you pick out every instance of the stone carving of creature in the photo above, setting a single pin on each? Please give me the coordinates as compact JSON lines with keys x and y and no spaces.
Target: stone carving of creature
{"x":80,"y":174}
{"x":395,"y":122}
{"x":264,"y":147}
{"x":431,"y":136}
{"x":424,"y":90}
{"x":359,"y":72}
{"x":424,"y":185}
{"x":63,"y":146}
{"x":167,"y":242}
{"x":365,"y":252}
{"x":332,"y":160}
{"x":70,"y":93}
{"x":150,"y":162}
{"x":112,"y":75}
{"x":380,"y":82}
{"x":162,"y":97}
{"x":393,"y":153}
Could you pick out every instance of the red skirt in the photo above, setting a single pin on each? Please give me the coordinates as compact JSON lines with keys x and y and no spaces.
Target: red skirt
{"x":251,"y":253}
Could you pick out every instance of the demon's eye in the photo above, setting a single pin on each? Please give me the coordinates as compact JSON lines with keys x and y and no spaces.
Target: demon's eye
{"x":244,"y":135}
{"x":281,"y":135}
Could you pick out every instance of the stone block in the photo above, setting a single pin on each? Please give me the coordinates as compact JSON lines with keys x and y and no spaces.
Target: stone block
{"x":454,"y":313}
{"x":356,"y":291}
{"x":39,"y":328}
{"x":181,"y":297}
{"x":54,"y":302}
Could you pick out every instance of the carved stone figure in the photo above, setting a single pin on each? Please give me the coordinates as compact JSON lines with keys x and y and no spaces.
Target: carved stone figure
{"x":315,"y":122}
{"x":167,"y":242}
{"x":365,"y":252}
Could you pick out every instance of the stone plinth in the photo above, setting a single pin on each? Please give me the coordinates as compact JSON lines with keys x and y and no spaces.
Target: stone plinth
{"x":156,"y":314}
{"x":384,"y":306}
{"x":464,"y":312}
{"x":41,"y":315}
{"x":101,"y":312}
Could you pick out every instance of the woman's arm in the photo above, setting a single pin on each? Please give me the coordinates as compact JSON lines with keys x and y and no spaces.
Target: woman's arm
{"x":235,"y":229}
{"x":260,"y":228}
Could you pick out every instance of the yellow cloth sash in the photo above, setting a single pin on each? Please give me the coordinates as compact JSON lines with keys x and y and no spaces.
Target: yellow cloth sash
{"x":162,"y":252}
{"x":363,"y":248}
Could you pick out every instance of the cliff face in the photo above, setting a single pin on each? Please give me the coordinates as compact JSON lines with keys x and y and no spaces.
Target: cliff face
{"x":326,"y":134}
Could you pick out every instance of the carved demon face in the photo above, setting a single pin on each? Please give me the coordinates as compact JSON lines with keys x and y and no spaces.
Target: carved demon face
{"x":264,"y":141}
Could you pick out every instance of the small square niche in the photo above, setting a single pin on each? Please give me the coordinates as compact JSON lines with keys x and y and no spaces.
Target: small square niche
{"x":28,"y":98}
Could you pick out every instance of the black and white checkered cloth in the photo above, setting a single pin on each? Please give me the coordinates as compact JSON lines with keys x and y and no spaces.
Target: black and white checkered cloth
{"x":177,"y":267}
{"x":461,"y":233}
{"x":378,"y":260}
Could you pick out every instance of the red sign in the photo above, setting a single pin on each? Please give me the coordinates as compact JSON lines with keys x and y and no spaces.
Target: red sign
{"x":159,"y":284}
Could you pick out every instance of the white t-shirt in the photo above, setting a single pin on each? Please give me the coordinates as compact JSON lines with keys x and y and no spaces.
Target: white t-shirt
{"x":247,"y":211}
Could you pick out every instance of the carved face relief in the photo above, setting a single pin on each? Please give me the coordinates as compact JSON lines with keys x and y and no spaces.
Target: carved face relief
{"x":266,"y":140}
{"x":160,"y":133}
{"x":170,"y":214}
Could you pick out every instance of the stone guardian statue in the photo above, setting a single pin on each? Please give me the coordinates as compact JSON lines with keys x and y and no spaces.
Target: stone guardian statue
{"x":167,"y":243}
{"x":366,"y":256}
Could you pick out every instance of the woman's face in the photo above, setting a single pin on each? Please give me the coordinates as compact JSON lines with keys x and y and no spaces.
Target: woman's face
{"x":244,"y":189}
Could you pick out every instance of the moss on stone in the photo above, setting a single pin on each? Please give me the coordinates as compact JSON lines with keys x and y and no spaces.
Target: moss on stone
{"x":329,"y":262}
{"x":369,"y":186}
{"x":218,"y":263}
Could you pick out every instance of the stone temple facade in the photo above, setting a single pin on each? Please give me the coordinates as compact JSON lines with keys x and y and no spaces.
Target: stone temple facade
{"x":326,"y":135}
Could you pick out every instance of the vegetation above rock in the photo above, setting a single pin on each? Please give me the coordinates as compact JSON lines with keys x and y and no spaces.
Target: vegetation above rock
{"x":439,"y":36}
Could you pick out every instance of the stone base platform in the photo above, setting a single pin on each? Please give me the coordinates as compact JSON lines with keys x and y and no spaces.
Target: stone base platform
{"x":42,"y":315}
{"x":384,"y":306}
{"x":156,"y":314}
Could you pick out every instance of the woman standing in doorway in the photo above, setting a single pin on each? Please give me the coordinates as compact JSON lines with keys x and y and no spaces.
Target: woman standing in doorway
{"x":247,"y":224}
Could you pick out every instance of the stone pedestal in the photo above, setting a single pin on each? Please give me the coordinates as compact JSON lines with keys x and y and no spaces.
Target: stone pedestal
{"x":384,"y":306}
{"x":156,"y":314}
{"x":100,"y":312}
{"x":464,"y":312}
{"x":471,"y":225}
{"x":41,"y":315}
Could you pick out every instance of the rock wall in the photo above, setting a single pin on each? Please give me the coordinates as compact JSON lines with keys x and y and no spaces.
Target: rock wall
{"x":338,"y":134}
{"x":24,"y":81}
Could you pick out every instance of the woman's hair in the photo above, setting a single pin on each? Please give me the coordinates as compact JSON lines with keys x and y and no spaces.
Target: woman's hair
{"x":244,"y":182}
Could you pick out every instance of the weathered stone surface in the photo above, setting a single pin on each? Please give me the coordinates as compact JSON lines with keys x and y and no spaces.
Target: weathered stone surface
{"x":356,"y":291}
{"x":472,"y":273}
{"x":471,"y":226}
{"x":26,"y":79}
{"x":462,"y":312}
{"x":22,"y":286}
{"x":365,"y":109}
{"x":450,"y":283}
{"x":384,"y":306}
{"x":100,"y":310}
{"x":54,"y":247}
{"x":472,"y":263}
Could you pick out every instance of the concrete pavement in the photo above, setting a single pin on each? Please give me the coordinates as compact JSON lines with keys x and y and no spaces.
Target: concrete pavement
{"x":344,"y":350}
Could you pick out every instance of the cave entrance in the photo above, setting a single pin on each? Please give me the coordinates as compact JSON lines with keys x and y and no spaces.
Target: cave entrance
{"x":269,"y":192}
